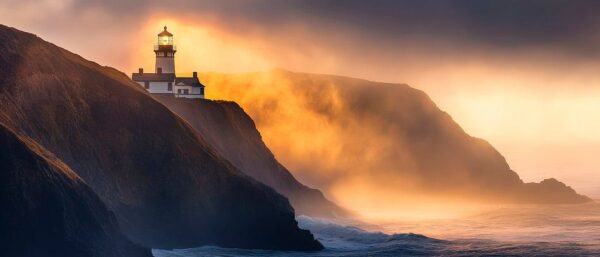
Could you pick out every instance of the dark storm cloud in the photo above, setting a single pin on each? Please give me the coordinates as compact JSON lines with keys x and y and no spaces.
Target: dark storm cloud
{"x":382,"y":33}
{"x":571,"y":25}
{"x":523,"y":20}
{"x":508,"y":23}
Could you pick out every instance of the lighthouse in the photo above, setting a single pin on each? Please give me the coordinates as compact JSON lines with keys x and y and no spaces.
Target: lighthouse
{"x":163,"y":80}
{"x":165,"y":53}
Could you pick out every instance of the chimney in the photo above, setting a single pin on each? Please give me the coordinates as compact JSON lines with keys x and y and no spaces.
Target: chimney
{"x":195,"y":74}
{"x":159,"y":70}
{"x":141,"y":70}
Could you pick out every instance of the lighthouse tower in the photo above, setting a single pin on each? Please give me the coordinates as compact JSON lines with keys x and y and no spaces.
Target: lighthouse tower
{"x":165,"y":53}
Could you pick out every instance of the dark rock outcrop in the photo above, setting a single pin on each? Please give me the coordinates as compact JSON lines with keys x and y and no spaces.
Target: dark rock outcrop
{"x":389,"y":135}
{"x":227,"y":128}
{"x":167,"y":187}
{"x":47,"y":210}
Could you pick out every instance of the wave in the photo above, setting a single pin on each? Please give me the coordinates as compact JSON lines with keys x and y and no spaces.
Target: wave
{"x":342,"y":239}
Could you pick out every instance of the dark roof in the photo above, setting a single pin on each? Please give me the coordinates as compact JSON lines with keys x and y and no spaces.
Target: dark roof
{"x":153,"y":77}
{"x":189,"y":81}
{"x":165,"y":33}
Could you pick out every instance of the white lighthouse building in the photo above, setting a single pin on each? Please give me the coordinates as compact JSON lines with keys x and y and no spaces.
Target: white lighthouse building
{"x":163,"y":80}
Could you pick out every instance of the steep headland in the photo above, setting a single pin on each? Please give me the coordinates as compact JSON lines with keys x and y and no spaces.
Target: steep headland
{"x":366,"y":141}
{"x":47,"y":210}
{"x":227,"y":128}
{"x":167,"y":187}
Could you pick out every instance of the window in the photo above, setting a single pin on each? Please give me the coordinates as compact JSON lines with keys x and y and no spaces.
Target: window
{"x":147,"y":84}
{"x":170,"y":86}
{"x":186,"y":91}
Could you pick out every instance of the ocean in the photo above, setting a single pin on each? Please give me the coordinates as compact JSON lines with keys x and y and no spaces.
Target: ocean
{"x":558,"y":230}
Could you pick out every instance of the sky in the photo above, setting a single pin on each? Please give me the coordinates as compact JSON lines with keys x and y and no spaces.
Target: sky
{"x":523,"y":75}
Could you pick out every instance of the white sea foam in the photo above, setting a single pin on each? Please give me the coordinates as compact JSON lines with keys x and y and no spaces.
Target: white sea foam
{"x":525,"y":231}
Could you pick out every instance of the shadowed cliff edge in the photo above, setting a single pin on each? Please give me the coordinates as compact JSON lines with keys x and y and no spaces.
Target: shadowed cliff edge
{"x":167,"y":187}
{"x":227,"y":128}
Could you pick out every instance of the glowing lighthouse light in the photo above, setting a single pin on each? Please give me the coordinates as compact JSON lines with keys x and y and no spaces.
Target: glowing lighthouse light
{"x":165,"y":38}
{"x":164,"y":41}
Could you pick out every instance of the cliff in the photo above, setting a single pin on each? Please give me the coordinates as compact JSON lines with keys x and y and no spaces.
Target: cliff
{"x":47,"y":210}
{"x":364,"y":140}
{"x":167,"y":187}
{"x":229,"y":130}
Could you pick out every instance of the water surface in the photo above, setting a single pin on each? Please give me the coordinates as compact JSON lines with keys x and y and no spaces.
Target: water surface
{"x":569,"y":230}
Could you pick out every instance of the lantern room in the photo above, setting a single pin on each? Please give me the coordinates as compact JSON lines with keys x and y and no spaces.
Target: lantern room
{"x":165,"y":38}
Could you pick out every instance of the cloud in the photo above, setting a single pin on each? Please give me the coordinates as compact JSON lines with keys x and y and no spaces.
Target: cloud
{"x":361,"y":38}
{"x":572,"y":25}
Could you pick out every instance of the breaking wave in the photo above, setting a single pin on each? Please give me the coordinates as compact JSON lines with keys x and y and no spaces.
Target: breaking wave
{"x":348,"y":240}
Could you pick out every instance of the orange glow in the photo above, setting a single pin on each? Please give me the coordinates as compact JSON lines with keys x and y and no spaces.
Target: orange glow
{"x":199,"y":48}
{"x":303,"y":140}
{"x":380,"y":203}
{"x":542,"y":116}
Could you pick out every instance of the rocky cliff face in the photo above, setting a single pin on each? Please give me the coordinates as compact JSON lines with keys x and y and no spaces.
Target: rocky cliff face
{"x":47,"y":210}
{"x":226,"y":127}
{"x":363,"y":140}
{"x":167,"y":187}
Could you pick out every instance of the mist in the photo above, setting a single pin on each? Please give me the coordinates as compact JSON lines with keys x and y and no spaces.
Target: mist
{"x":522,"y":77}
{"x":382,"y":150}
